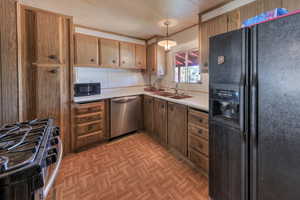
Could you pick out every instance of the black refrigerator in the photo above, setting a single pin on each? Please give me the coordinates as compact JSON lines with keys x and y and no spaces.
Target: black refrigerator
{"x":254,"y":112}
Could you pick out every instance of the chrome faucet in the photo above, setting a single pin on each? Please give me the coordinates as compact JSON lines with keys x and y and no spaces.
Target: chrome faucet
{"x":176,"y":88}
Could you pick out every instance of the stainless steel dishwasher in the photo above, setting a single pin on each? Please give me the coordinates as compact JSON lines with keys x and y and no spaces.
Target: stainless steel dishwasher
{"x":125,"y":115}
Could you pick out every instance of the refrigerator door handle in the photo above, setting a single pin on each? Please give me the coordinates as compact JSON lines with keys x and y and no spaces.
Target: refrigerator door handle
{"x":242,"y":104}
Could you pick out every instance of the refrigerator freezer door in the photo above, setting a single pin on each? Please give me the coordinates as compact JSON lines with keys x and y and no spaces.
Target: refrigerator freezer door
{"x":275,"y":106}
{"x":228,"y":122}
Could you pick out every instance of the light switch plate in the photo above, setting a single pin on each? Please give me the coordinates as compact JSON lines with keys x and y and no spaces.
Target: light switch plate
{"x":221,"y":60}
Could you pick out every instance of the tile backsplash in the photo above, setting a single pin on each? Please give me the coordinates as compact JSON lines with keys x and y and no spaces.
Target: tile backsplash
{"x":111,"y":78}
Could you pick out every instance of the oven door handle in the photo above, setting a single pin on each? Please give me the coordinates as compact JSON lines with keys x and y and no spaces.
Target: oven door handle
{"x":55,"y":171}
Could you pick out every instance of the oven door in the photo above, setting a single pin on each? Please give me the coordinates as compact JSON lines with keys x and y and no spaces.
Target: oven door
{"x":52,"y":171}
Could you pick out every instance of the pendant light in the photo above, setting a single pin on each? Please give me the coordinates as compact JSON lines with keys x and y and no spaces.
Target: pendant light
{"x":166,"y":42}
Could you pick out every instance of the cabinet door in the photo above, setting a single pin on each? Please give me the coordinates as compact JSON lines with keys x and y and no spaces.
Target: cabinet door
{"x":248,"y":11}
{"x":160,"y":120}
{"x":86,"y":50}
{"x":151,"y":58}
{"x":48,"y":92}
{"x":266,"y":5}
{"x":204,"y":45}
{"x":160,"y":60}
{"x":127,"y":55}
{"x":177,"y":127}
{"x":49,"y":36}
{"x":140,"y":56}
{"x":234,"y":22}
{"x":148,"y":114}
{"x":291,"y":5}
{"x":109,"y":51}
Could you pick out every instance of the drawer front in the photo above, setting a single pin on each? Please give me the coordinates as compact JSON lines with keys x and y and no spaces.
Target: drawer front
{"x":86,"y":129}
{"x":90,"y":139}
{"x":198,"y":144}
{"x":199,"y":160}
{"x":198,"y":118}
{"x":89,"y":108}
{"x":89,"y":118}
{"x":199,"y":131}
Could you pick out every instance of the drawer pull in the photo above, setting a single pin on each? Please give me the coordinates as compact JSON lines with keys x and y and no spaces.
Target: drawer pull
{"x":200,"y":132}
{"x":201,"y":120}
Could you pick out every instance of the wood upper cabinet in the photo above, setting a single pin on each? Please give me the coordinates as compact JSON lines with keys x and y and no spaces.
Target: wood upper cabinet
{"x":156,"y":59}
{"x":109,"y":53}
{"x":204,"y":45}
{"x":86,"y":50}
{"x":266,"y":5}
{"x":208,"y":29}
{"x":49,"y":38}
{"x":248,"y":11}
{"x":160,"y":120}
{"x":233,"y":21}
{"x":140,"y":56}
{"x":291,"y":5}
{"x":127,"y":55}
{"x":151,"y":57}
{"x":148,"y":114}
{"x":177,"y":127}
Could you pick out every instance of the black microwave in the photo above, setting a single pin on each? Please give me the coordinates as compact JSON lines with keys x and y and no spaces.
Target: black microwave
{"x":87,"y":89}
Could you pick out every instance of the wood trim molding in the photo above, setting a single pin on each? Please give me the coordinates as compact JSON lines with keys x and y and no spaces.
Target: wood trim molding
{"x":109,"y":32}
{"x":184,"y":29}
{"x":220,"y":10}
{"x":24,"y":6}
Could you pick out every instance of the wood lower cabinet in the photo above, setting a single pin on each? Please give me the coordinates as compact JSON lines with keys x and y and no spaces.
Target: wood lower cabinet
{"x":89,"y":124}
{"x":148,"y":114}
{"x":109,"y":53}
{"x":160,"y":121}
{"x":177,"y":127}
{"x":127,"y":55}
{"x":198,"y":139}
{"x":86,"y":50}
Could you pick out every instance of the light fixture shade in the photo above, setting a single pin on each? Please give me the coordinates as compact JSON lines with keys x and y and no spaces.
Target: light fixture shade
{"x":167,"y":43}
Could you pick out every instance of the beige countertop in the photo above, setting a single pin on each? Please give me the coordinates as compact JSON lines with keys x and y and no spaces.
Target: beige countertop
{"x":199,"y":101}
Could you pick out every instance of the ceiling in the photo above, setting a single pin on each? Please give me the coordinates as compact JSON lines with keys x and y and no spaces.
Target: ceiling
{"x":138,"y":18}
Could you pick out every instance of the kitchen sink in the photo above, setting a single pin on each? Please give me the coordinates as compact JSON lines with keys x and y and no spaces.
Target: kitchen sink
{"x":181,"y":97}
{"x":164,"y":94}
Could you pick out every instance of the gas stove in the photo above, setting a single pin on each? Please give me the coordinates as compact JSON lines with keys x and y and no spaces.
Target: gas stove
{"x":30,"y":156}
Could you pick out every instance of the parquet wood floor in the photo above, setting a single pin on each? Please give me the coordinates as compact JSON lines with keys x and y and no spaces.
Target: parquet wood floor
{"x":132,"y":168}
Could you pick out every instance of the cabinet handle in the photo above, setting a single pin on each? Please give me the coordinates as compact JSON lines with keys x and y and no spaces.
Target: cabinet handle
{"x":52,"y":57}
{"x":200,"y":132}
{"x":92,"y":60}
{"x":201,"y":120}
{"x":53,"y":71}
{"x":200,"y":146}
{"x":113,"y":61}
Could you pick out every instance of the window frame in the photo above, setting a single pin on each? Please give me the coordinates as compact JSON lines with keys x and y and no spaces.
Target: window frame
{"x":186,"y":51}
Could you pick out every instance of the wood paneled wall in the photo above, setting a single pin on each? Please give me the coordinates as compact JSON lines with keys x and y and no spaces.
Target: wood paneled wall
{"x":233,"y":20}
{"x":8,"y":62}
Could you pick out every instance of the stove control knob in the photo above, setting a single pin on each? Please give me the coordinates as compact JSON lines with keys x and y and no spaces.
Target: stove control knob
{"x":51,"y":159}
{"x":54,"y":141}
{"x":56,"y":131}
{"x":52,"y":151}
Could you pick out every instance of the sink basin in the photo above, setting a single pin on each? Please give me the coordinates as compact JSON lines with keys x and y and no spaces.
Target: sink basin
{"x":164,"y":94}
{"x":181,"y":97}
{"x":152,"y":89}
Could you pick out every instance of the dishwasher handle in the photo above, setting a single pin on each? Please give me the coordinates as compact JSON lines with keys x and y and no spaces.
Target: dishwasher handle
{"x":124,"y":99}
